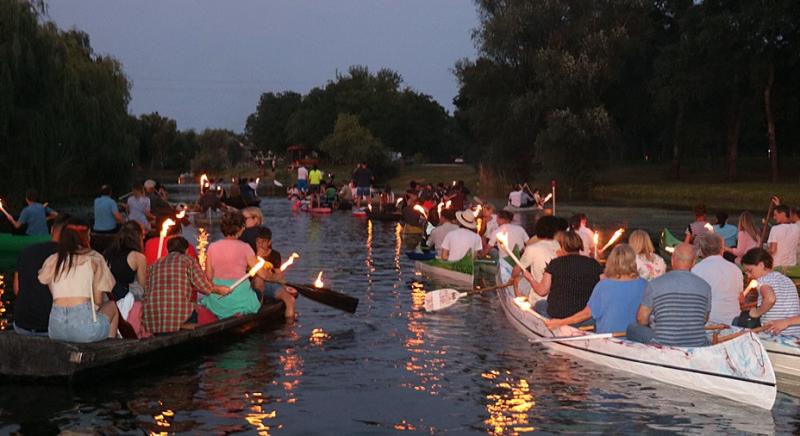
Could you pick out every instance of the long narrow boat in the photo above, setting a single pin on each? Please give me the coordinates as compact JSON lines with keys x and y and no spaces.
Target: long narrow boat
{"x":40,"y":357}
{"x":739,"y":369}
{"x":515,"y":209}
{"x":445,"y":274}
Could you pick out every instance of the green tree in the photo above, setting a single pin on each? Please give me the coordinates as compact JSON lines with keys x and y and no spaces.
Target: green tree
{"x":266,"y":128}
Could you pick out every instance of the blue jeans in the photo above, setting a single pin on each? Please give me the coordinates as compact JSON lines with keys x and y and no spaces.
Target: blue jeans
{"x":75,"y":324}
{"x":24,"y":332}
{"x":640,"y":333}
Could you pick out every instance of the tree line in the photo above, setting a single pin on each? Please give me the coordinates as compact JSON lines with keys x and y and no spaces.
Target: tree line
{"x":564,"y":87}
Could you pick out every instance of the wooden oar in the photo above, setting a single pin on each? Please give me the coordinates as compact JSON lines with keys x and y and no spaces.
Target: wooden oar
{"x":765,"y":229}
{"x":327,"y":297}
{"x":578,"y":338}
{"x":444,"y":298}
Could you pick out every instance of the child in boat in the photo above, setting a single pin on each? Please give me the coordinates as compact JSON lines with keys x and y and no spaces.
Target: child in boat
{"x":273,"y":288}
{"x":777,"y":294}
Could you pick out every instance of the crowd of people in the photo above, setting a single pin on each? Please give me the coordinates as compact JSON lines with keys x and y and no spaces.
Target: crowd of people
{"x":141,"y":284}
{"x":359,"y":192}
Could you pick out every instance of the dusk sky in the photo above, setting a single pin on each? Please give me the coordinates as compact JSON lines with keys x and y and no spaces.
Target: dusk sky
{"x":205,"y":63}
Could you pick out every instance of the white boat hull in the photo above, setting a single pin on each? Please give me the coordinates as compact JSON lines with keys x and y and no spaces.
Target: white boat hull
{"x":739,"y":369}
{"x":445,"y":276}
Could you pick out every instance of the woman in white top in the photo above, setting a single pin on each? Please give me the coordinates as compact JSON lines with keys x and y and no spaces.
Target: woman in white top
{"x":777,"y":295}
{"x":78,"y":277}
{"x":139,"y":207}
{"x":648,"y":263}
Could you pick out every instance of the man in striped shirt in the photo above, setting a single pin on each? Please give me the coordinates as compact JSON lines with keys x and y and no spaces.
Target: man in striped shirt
{"x":679,"y":302}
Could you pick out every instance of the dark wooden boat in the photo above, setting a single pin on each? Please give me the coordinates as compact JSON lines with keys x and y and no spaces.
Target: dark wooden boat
{"x":386,"y":216}
{"x":40,"y":357}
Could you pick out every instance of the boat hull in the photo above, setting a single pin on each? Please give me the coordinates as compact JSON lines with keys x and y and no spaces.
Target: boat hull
{"x":739,"y":369}
{"x":445,"y":276}
{"x":42,"y":358}
{"x":12,"y":245}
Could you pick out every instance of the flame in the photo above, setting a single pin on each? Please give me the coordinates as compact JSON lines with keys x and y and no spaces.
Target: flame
{"x":478,"y":209}
{"x":478,"y":224}
{"x":502,"y":237}
{"x":254,"y":270}
{"x":289,"y":261}
{"x":202,"y":243}
{"x":546,"y":199}
{"x":165,"y":227}
{"x":522,"y":303}
{"x":318,"y":282}
{"x":750,"y":286}
{"x":454,"y":183}
{"x":203,"y":181}
{"x":596,"y":238}
{"x":258,"y":180}
{"x":448,"y":204}
{"x":369,"y":206}
{"x":421,"y":210}
{"x":181,"y":214}
{"x":1,"y":204}
{"x":709,"y":227}
{"x":669,"y":249}
{"x":439,"y":208}
{"x":613,"y":239}
{"x":397,"y":203}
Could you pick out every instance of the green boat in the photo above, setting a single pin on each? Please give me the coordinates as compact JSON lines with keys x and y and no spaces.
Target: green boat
{"x":668,"y":240}
{"x":12,"y":245}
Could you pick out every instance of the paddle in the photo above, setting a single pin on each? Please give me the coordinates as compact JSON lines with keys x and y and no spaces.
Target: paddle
{"x":444,"y":298}
{"x":277,"y":183}
{"x":326,"y":296}
{"x":765,"y":229}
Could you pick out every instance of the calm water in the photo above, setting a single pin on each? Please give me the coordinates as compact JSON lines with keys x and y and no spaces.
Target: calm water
{"x":390,"y":367}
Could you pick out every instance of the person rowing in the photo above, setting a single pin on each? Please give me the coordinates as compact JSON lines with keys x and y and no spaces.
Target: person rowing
{"x":34,"y":215}
{"x":541,"y":249}
{"x":460,"y":242}
{"x":517,"y":236}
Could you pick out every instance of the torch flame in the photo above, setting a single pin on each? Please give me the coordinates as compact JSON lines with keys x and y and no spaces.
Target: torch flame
{"x":369,"y":206}
{"x":165,"y":227}
{"x":289,"y":261}
{"x":709,"y":227}
{"x":181,"y":214}
{"x":502,"y":237}
{"x":522,"y":303}
{"x":613,"y":239}
{"x":203,"y":181}
{"x":596,"y":238}
{"x":448,"y":204}
{"x":318,"y":282}
{"x":439,"y":208}
{"x":546,"y":199}
{"x":1,"y":204}
{"x":669,"y":249}
{"x":421,"y":210}
{"x":258,"y":179}
{"x":397,"y":203}
{"x":750,"y":286}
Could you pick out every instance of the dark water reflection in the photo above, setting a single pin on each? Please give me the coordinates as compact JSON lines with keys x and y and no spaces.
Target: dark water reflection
{"x":390,"y":367}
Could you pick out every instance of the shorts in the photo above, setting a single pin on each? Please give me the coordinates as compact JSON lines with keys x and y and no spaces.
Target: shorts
{"x":74,"y":324}
{"x":25,"y":332}
{"x":271,"y":290}
{"x":302,"y":184}
{"x":314,"y":189}
{"x":363,"y":191}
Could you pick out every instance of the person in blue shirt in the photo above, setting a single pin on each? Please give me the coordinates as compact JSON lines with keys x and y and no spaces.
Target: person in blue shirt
{"x":107,"y":218}
{"x":729,"y":232}
{"x":34,"y":216}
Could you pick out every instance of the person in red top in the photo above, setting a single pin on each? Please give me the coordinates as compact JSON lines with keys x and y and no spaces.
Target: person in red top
{"x":151,"y":247}
{"x":168,"y":302}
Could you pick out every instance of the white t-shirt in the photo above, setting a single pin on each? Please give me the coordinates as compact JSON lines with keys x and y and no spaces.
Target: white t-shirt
{"x":302,"y":173}
{"x":491,"y":225}
{"x":515,"y":198}
{"x":517,"y":236}
{"x":726,"y":282}
{"x":459,"y":242}
{"x":786,"y":236}
{"x":438,"y":234}
{"x":537,"y":256}
{"x":587,"y":236}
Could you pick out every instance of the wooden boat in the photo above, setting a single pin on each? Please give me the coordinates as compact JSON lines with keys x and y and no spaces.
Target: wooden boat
{"x":739,"y":369}
{"x":41,"y":357}
{"x":437,"y":271}
{"x":514,"y":209}
{"x":12,"y":245}
{"x":487,"y":265}
{"x":386,"y":216}
{"x":421,"y":255}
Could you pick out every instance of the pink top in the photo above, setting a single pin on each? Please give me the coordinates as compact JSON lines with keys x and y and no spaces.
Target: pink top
{"x":744,"y":242}
{"x":228,"y":258}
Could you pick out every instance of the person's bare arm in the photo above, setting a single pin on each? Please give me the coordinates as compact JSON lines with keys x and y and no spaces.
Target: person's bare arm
{"x":767,"y":301}
{"x":643,"y":315}
{"x":581,"y":316}
{"x":541,"y":288}
{"x":16,"y":283}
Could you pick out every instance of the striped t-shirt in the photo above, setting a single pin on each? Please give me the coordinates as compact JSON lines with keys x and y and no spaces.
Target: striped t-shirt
{"x":680,"y":302}
{"x":787,"y":304}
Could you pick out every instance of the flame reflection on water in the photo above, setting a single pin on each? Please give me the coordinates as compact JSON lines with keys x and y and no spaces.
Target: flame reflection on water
{"x":508,"y":404}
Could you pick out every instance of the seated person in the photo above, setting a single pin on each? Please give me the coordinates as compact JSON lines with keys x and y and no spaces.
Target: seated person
{"x":447,"y":224}
{"x":777,"y":294}
{"x":568,"y":280}
{"x":679,"y":303}
{"x":226,"y":261}
{"x":168,"y":302}
{"x":330,"y":198}
{"x":615,"y":298}
{"x":151,"y":245}
{"x":460,"y":242}
{"x":517,"y":236}
{"x":273,"y":286}
{"x":209,"y":201}
{"x":34,"y":301}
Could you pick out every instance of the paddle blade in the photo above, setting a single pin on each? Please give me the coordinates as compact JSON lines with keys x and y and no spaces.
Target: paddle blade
{"x":277,"y":183}
{"x":441,"y":298}
{"x":328,"y":297}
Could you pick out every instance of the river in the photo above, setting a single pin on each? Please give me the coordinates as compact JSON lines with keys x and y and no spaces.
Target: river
{"x":390,"y":367}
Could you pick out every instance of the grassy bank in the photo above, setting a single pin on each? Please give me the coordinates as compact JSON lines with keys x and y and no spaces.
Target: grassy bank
{"x":728,"y":196}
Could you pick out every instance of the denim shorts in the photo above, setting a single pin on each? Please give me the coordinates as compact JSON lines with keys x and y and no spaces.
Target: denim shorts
{"x":302,"y":185}
{"x":363,"y":191}
{"x":271,"y":290}
{"x":74,"y":324}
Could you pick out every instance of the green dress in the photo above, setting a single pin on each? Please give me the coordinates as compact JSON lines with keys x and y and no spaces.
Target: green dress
{"x":242,"y":300}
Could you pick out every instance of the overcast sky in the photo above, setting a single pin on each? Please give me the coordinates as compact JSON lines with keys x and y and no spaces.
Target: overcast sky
{"x":206,"y":62}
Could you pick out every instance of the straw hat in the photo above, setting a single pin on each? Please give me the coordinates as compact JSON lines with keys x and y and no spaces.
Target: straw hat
{"x":466,"y":218}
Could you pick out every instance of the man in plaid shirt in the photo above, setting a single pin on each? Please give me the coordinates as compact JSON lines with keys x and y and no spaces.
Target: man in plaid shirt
{"x":168,"y":301}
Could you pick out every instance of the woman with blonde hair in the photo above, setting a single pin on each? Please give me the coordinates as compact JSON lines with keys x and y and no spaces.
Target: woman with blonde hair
{"x":747,"y":238}
{"x":648,"y":263}
{"x":615,"y":299}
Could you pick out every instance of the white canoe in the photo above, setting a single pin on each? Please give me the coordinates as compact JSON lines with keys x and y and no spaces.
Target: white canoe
{"x":784,"y":353}
{"x":522,"y":209}
{"x":738,"y":369}
{"x":445,"y":276}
